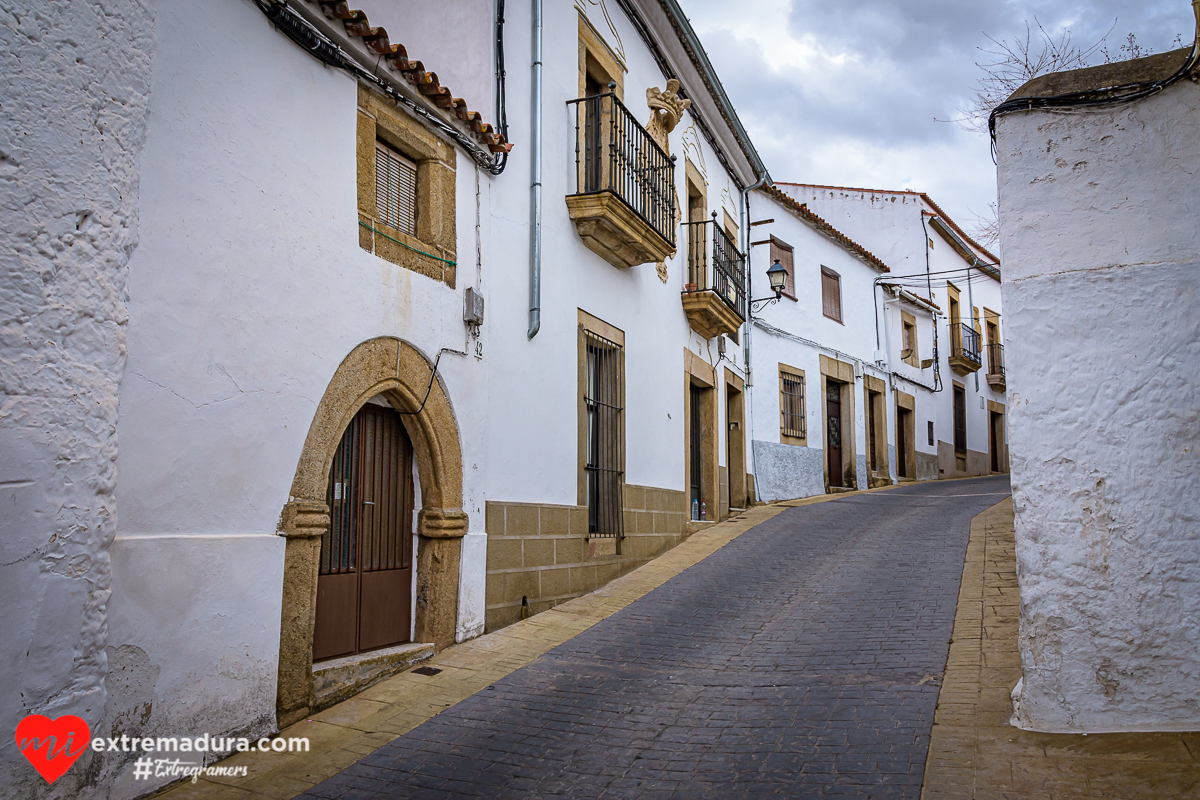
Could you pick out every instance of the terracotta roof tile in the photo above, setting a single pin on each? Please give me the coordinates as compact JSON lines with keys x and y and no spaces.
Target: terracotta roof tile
{"x":426,"y":82}
{"x":801,"y":210}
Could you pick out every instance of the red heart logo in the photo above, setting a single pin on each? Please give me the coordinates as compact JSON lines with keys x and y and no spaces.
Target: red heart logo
{"x":52,"y":745}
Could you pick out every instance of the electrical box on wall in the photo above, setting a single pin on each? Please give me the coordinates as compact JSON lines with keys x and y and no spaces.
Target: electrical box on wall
{"x":473,"y":307}
{"x":720,"y":345}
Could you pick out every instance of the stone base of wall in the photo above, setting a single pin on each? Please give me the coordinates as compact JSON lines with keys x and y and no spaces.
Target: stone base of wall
{"x":539,"y":555}
{"x":787,"y":471}
{"x":927,"y":466}
{"x":977,"y":463}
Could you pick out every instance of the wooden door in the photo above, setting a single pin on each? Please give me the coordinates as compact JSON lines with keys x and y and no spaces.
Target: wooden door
{"x":696,"y":467}
{"x":994,"y":439}
{"x":364,"y":583}
{"x":833,"y":431}
{"x":902,"y":442}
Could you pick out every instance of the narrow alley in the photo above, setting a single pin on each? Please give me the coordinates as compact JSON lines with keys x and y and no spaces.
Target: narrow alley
{"x":803,"y":659}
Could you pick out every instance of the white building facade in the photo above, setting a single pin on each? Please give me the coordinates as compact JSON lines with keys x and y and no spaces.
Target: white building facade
{"x":260,"y":316}
{"x":930,"y":255}
{"x":1102,"y":289}
{"x":837,"y":392}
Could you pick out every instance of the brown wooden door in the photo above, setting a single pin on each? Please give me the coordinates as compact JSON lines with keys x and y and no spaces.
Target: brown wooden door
{"x":833,"y":431}
{"x":902,"y":442}
{"x":696,"y":466}
{"x":364,"y":583}
{"x":995,"y":437}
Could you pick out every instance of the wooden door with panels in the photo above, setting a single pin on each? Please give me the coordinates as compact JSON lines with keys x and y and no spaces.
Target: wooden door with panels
{"x":833,"y":431}
{"x":364,"y":583}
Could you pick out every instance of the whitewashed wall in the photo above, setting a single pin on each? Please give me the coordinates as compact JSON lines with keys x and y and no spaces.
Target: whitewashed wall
{"x":889,"y":225}
{"x":75,"y":82}
{"x":248,"y":290}
{"x":785,"y":471}
{"x":1102,"y":288}
{"x":534,"y":383}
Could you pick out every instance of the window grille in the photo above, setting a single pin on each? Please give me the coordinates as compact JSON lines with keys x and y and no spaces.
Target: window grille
{"x":831,"y":294}
{"x":604,"y":394}
{"x":395,"y":189}
{"x":791,"y":405}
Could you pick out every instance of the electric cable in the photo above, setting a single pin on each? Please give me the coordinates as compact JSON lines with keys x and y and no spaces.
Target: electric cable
{"x":324,"y":49}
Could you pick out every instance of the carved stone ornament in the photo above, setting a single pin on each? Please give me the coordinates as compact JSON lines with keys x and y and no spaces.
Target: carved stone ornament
{"x":666,"y":109}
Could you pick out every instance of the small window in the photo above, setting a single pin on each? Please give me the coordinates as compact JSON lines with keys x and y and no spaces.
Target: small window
{"x":831,"y":294}
{"x":395,"y":189}
{"x":792,"y":418}
{"x":931,"y":433}
{"x":908,"y":351}
{"x":783,"y":252}
{"x":603,"y":396}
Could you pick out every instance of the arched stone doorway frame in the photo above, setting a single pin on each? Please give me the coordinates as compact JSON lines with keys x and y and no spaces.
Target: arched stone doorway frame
{"x":398,"y":371}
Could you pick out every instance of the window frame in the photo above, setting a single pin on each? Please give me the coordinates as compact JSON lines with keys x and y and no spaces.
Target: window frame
{"x":797,"y":436}
{"x":593,"y":334}
{"x":826,"y":272}
{"x":909,"y":322}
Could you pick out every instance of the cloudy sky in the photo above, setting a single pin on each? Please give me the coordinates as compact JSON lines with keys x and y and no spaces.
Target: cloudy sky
{"x":850,"y":92}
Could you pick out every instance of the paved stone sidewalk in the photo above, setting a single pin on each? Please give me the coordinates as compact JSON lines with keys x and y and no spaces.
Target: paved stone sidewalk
{"x":343,"y":734}
{"x":976,"y":755}
{"x":802,"y":659}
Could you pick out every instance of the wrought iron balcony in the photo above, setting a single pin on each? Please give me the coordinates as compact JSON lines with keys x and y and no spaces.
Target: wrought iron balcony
{"x":964,"y":348}
{"x":715,"y":295}
{"x":624,"y":200}
{"x":995,"y":373}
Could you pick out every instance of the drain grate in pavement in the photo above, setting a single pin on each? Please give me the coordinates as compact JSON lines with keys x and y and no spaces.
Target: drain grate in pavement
{"x":427,"y":670}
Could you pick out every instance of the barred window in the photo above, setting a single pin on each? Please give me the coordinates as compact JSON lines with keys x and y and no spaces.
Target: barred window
{"x":604,"y":393}
{"x":791,"y":404}
{"x":395,"y":189}
{"x":831,"y":294}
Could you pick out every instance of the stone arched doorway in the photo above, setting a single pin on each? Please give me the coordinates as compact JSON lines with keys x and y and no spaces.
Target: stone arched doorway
{"x":396,"y":370}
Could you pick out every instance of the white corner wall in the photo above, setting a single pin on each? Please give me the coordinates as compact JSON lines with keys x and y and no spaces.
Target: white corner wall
{"x":75,"y":83}
{"x":1102,"y":299}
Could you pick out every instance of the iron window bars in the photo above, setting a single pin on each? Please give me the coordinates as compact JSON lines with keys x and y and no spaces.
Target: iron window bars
{"x":995,"y":359}
{"x":604,"y":397}
{"x":792,"y":420}
{"x":614,"y":153}
{"x":714,"y":264}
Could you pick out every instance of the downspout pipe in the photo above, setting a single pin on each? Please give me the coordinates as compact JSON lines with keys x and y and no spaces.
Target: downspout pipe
{"x":535,"y":188}
{"x":744,"y":213}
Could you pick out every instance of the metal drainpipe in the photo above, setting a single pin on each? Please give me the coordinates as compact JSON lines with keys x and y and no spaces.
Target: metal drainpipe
{"x":744,"y":213}
{"x":535,"y":200}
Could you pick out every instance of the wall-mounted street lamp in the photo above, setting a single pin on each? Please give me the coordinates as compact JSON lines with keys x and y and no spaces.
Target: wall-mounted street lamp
{"x":777,"y":276}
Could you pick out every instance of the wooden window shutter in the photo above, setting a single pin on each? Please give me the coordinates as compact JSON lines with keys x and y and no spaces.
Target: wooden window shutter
{"x":831,"y":294}
{"x":783,"y":252}
{"x":395,"y":189}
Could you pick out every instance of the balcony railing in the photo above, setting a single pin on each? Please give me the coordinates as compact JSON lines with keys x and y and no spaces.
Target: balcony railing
{"x":995,"y":359}
{"x":995,"y":373}
{"x":714,"y":264}
{"x":964,"y":348}
{"x":614,"y":153}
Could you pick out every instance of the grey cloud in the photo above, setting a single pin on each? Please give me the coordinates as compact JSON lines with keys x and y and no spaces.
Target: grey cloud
{"x":920,"y":67}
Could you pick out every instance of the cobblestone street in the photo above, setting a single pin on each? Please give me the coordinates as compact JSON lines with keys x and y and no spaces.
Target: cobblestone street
{"x":803,"y":659}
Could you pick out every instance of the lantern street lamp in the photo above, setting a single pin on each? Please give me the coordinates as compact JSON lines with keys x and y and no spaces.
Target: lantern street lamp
{"x":777,"y":276}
